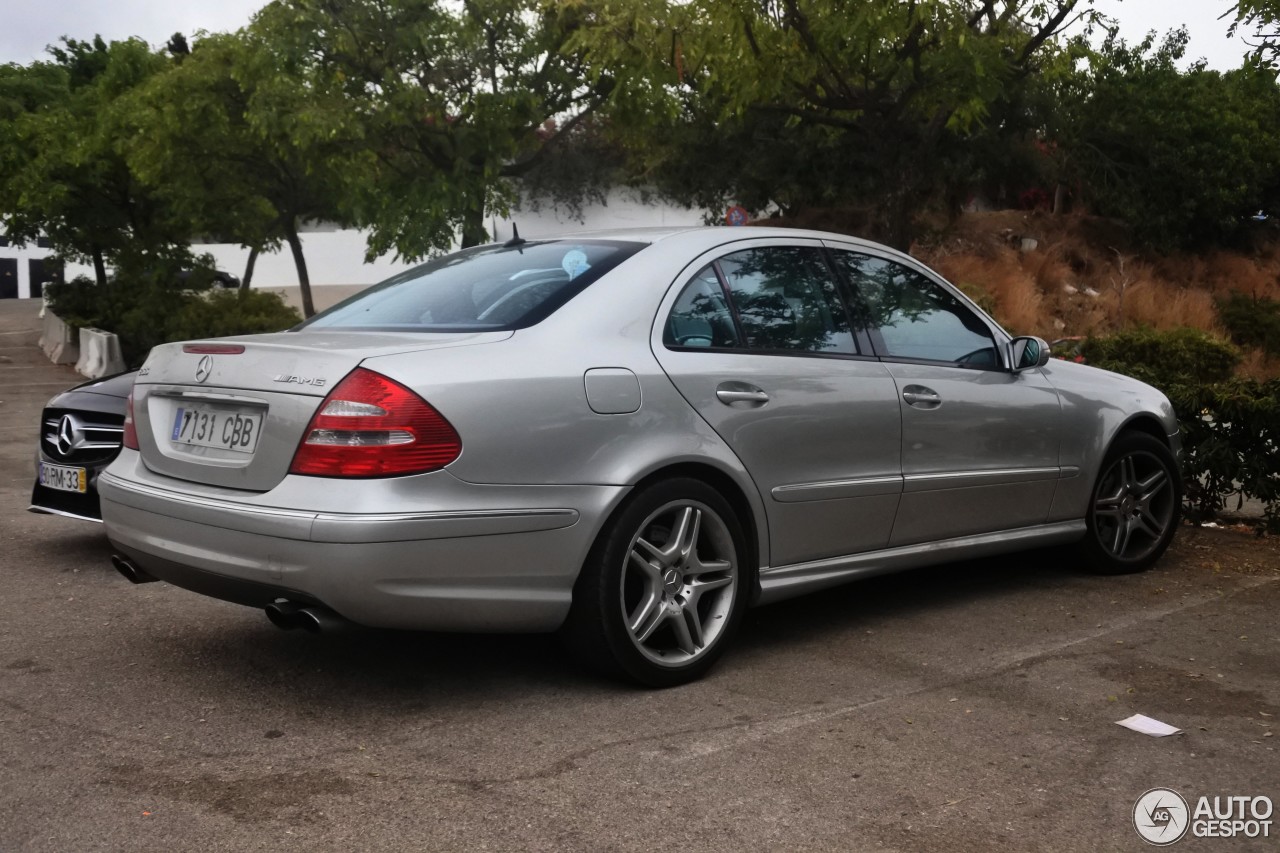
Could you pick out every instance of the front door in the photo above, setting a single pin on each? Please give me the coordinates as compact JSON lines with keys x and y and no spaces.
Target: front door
{"x":980,"y":443}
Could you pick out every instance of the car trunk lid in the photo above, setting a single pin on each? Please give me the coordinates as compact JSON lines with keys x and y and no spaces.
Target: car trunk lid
{"x":230,"y":412}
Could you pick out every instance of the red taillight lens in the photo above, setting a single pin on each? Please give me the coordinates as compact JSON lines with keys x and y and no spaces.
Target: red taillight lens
{"x":130,"y":431}
{"x":370,"y":426}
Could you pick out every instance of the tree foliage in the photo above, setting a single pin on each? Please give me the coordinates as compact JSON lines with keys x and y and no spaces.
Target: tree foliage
{"x":452,"y":99}
{"x":271,"y":153}
{"x":1262,"y":17}
{"x":807,"y":102}
{"x":1185,"y":157}
{"x":63,"y":158}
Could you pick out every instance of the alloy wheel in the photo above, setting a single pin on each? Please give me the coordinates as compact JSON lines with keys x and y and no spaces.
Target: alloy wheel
{"x":1135,"y":505}
{"x":679,"y":583}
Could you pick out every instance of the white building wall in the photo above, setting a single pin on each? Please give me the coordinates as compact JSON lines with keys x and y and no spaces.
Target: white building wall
{"x":336,"y":257}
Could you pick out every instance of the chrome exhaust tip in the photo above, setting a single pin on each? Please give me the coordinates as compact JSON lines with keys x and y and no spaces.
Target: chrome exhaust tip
{"x":283,"y":614}
{"x":131,"y":572}
{"x":318,"y":619}
{"x":288,"y":615}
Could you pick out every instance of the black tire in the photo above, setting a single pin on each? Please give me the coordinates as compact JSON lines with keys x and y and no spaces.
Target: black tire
{"x":1135,"y":507}
{"x":655,"y":605}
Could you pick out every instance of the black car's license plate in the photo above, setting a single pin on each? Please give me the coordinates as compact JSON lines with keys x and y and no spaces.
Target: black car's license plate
{"x":64,"y":478}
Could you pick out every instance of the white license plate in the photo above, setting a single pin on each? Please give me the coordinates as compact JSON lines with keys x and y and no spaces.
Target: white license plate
{"x":63,"y":478}
{"x":211,"y":426}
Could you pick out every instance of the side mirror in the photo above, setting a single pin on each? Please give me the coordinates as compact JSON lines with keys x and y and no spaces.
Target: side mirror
{"x":1028,"y":352}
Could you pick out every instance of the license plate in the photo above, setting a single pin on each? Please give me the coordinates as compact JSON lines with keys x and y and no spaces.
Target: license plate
{"x":63,"y":478}
{"x":210,"y":426}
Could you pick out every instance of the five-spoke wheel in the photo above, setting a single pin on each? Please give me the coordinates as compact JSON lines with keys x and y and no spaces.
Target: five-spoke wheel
{"x":679,"y":582}
{"x":664,"y":587}
{"x":1136,"y":505}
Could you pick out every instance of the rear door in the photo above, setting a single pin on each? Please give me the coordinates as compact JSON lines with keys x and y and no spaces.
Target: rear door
{"x":759,"y":342}
{"x":980,"y":443}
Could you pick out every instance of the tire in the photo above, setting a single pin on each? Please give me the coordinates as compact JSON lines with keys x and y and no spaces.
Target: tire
{"x":1135,"y":506}
{"x":664,"y":586}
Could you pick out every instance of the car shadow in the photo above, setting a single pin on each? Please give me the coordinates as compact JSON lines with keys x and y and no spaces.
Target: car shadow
{"x":413,"y":668}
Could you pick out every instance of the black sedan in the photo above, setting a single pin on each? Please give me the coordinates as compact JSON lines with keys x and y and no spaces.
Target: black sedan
{"x":80,"y":433}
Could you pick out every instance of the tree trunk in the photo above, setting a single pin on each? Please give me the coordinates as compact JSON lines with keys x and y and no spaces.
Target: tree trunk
{"x":304,"y":281}
{"x":473,"y":233}
{"x":1059,"y":198}
{"x":899,"y":221}
{"x":99,"y":267}
{"x":248,"y":268}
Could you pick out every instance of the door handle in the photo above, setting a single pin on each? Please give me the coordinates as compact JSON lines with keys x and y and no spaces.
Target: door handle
{"x":730,"y":393}
{"x":921,"y":397}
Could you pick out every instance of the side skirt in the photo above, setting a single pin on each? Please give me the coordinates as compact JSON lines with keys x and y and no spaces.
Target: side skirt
{"x":783,"y":582}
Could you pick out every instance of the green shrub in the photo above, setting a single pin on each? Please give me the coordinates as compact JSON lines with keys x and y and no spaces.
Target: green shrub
{"x":219,"y":313}
{"x":1252,"y":321}
{"x":1230,"y":427}
{"x":1231,"y":446}
{"x":1164,"y":359}
{"x":145,"y":311}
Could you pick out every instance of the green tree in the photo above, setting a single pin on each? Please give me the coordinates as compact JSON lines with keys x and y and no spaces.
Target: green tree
{"x":245,"y":149}
{"x":63,"y":167}
{"x":813,"y":101}
{"x":1185,"y":157}
{"x":454,"y":100}
{"x":1263,"y":18}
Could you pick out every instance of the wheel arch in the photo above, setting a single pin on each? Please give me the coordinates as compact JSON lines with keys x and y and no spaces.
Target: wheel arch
{"x":750,"y":516}
{"x":1143,"y":422}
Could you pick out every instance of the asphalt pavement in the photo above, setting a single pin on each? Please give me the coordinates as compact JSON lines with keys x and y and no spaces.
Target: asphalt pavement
{"x":971,"y":706}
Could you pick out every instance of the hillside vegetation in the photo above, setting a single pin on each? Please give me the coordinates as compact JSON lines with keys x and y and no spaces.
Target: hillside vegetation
{"x":1076,"y":276}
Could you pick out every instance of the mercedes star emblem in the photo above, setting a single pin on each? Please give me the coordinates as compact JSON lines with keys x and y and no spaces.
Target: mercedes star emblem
{"x":204,"y":368}
{"x":66,"y":435}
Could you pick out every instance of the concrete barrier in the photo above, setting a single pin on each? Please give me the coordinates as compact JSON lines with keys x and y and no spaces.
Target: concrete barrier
{"x":100,"y":354}
{"x":58,"y":340}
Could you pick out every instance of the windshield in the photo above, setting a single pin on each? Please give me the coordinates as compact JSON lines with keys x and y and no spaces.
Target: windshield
{"x":490,"y":288}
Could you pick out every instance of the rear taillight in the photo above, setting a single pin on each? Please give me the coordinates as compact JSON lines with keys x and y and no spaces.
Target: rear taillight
{"x":130,"y":431}
{"x":370,"y":426}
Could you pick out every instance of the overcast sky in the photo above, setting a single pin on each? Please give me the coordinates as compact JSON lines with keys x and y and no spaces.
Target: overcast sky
{"x":27,"y":26}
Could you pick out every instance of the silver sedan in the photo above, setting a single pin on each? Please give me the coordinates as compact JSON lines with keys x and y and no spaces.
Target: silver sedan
{"x":629,"y":437}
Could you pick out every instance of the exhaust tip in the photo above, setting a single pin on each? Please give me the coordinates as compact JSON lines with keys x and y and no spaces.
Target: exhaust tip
{"x":131,"y":572}
{"x":283,"y":614}
{"x":288,"y":615}
{"x":318,"y":619}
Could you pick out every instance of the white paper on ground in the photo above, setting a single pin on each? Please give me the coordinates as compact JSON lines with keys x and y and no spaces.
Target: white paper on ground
{"x":1147,"y":726}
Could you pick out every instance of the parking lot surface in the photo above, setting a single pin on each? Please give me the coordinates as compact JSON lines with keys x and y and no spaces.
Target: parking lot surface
{"x":966,"y":707}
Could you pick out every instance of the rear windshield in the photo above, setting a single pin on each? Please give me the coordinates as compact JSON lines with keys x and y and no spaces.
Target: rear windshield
{"x":489,"y":288}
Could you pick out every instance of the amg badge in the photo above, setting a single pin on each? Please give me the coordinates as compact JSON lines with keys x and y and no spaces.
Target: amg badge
{"x":300,"y":380}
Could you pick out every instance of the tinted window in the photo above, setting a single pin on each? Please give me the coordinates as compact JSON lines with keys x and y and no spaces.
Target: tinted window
{"x":786,"y":299}
{"x":488,"y":288}
{"x":910,"y":316}
{"x":701,"y":316}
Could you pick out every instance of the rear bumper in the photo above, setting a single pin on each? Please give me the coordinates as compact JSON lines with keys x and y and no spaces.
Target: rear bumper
{"x":507,"y":564}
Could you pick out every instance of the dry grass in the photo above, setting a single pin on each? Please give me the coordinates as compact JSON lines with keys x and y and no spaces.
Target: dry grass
{"x":1257,"y":365}
{"x":1083,"y":277}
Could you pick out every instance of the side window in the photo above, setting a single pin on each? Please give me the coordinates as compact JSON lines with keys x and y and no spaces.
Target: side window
{"x":701,"y":317}
{"x":910,"y":316}
{"x":786,"y":299}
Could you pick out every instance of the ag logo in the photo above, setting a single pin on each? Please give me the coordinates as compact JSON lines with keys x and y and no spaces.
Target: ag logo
{"x":1161,"y":816}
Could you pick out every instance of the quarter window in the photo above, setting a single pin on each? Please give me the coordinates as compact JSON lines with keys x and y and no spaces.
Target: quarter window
{"x":912,"y":317}
{"x":701,"y":316}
